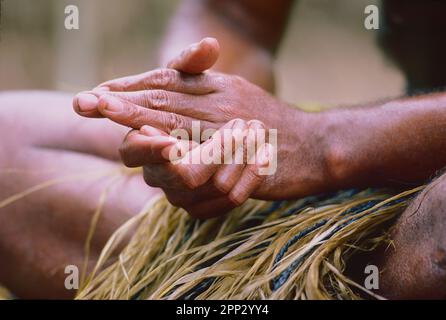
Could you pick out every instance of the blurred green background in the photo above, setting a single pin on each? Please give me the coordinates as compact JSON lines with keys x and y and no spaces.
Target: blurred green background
{"x":327,"y":56}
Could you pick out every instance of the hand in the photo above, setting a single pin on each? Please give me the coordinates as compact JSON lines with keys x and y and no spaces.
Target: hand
{"x":168,"y":99}
{"x":204,"y":190}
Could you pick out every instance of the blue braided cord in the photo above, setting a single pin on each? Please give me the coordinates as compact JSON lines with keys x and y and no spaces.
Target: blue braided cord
{"x":275,"y":205}
{"x":319,"y":200}
{"x":277,"y":282}
{"x":356,"y":209}
{"x":197,"y":289}
{"x":296,"y":238}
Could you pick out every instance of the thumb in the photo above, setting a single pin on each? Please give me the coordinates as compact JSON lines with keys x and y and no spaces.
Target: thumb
{"x":197,"y":58}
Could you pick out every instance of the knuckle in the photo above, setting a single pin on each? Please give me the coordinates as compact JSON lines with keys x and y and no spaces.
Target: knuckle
{"x":219,"y":81}
{"x":252,"y":173}
{"x":222,"y":185}
{"x":191,"y":183}
{"x":161,"y":78}
{"x":235,"y":199}
{"x":256,"y":124}
{"x":138,"y":114}
{"x":236,"y":123}
{"x":239,"y":121}
{"x":158,"y":99}
{"x":185,"y":178}
{"x":189,"y":178}
{"x":173,"y":121}
{"x":225,"y":106}
{"x":129,"y":110}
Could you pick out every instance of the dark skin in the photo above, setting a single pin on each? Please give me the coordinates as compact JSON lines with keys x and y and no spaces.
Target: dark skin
{"x":414,"y":267}
{"x":45,"y":231}
{"x":397,"y":131}
{"x":411,"y":146}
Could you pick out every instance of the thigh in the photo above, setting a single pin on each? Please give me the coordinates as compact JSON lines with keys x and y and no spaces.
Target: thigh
{"x":414,"y":266}
{"x":56,"y":170}
{"x":46,"y":119}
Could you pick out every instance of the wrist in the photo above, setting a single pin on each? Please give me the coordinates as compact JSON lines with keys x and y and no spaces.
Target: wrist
{"x":305,"y":155}
{"x":312,"y":154}
{"x":334,"y":128}
{"x":321,"y":156}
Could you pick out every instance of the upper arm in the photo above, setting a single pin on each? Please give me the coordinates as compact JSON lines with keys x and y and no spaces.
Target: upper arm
{"x":263,"y":21}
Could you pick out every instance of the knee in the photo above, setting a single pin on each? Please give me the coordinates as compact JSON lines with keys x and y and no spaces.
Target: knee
{"x":426,"y":215}
{"x":416,"y":266}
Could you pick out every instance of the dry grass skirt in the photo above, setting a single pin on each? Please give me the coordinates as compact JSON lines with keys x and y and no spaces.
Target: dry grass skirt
{"x":262,"y":250}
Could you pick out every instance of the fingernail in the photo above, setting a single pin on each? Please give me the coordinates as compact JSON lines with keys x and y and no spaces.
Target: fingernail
{"x":209,"y":41}
{"x":102,"y":89}
{"x":149,"y":131}
{"x":194,"y":47}
{"x":87,"y":102}
{"x":166,"y":140}
{"x":264,"y":154}
{"x":112,"y":104}
{"x":166,"y":153}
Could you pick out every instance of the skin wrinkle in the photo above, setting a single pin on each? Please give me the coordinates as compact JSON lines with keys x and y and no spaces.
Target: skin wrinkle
{"x":426,"y":191}
{"x":420,"y":237}
{"x":385,"y":137}
{"x":305,"y":169}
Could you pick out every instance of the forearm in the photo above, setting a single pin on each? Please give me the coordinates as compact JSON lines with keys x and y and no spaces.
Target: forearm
{"x":396,"y":143}
{"x":237,"y":26}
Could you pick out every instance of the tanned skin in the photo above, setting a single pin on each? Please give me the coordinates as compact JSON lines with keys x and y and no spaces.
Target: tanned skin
{"x":397,"y":143}
{"x":45,"y":231}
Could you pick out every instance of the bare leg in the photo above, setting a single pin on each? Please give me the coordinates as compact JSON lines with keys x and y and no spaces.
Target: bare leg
{"x":415,"y":266}
{"x":42,"y":233}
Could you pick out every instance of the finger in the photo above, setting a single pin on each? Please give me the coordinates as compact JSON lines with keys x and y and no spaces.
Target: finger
{"x":149,"y":146}
{"x":131,"y":115}
{"x":86,"y":105}
{"x":138,"y":149}
{"x":228,"y":174}
{"x":56,"y":127}
{"x":200,"y":164}
{"x":210,"y":209}
{"x":196,"y":167}
{"x":151,"y":131}
{"x":170,"y":152}
{"x":161,"y":100}
{"x":165,"y":79}
{"x":198,"y":57}
{"x":251,"y":178}
{"x":256,"y":137}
